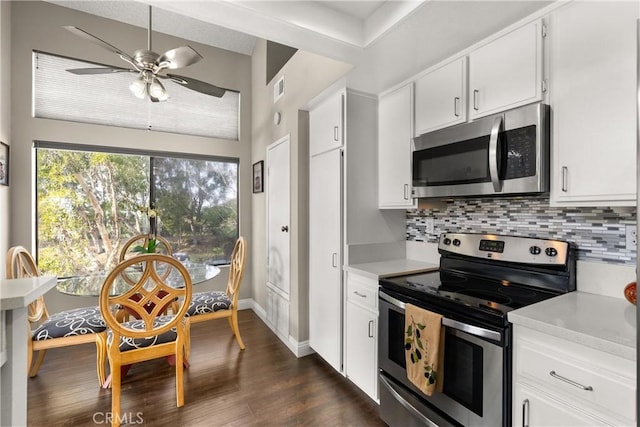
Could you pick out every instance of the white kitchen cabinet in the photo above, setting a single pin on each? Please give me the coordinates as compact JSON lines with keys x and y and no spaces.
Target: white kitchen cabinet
{"x":343,"y":212}
{"x":440,"y":97}
{"x":560,"y":382}
{"x":593,"y":100}
{"x":361,"y":333}
{"x":506,"y":72}
{"x":278,"y":312}
{"x":395,"y":132}
{"x":325,"y":256}
{"x":326,"y":125}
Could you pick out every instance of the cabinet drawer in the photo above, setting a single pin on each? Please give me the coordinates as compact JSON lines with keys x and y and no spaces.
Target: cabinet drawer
{"x":585,"y":377}
{"x":362,"y":291}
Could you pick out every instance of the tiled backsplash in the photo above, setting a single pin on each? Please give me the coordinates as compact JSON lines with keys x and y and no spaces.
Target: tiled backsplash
{"x":599,"y":233}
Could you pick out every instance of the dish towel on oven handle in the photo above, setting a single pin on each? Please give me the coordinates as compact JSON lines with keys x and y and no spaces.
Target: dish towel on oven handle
{"x":424,"y":348}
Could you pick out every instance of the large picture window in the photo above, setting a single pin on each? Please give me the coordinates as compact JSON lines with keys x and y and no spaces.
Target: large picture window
{"x":89,"y":203}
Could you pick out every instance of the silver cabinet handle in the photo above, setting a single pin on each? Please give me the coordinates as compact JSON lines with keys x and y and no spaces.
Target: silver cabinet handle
{"x":573,"y":383}
{"x":494,"y":154}
{"x":475,"y":99}
{"x":406,"y":191}
{"x":335,"y":133}
{"x":456,"y":106}
{"x":334,"y":260}
{"x":370,"y":328}
{"x":359,"y":294}
{"x":565,"y":172}
{"x":525,"y":413}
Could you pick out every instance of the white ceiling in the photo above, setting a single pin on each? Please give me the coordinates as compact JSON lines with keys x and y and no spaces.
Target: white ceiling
{"x":387,"y":41}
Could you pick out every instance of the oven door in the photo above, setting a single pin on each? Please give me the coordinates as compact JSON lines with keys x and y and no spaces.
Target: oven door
{"x":474,"y":371}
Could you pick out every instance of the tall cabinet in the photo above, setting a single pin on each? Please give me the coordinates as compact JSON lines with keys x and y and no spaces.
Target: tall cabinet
{"x":343,"y":208}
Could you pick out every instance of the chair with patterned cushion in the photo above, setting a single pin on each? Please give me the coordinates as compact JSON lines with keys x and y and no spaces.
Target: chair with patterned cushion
{"x":150,"y":334}
{"x":216,"y":304}
{"x":70,"y":327}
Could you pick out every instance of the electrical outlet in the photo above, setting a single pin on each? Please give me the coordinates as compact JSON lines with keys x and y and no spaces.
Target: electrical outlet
{"x":631,"y":236}
{"x":429,"y":225}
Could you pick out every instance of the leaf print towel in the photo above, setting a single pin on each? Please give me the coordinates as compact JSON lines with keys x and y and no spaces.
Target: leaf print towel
{"x":422,"y":344}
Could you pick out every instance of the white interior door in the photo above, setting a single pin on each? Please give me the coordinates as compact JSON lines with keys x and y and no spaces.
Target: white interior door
{"x":278,"y":215}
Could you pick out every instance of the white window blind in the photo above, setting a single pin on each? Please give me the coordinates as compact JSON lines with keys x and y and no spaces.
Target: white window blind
{"x":105,"y":99}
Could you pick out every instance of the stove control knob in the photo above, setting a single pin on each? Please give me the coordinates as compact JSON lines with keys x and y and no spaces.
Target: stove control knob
{"x":535,"y":250}
{"x":446,"y":241}
{"x":456,"y":242}
{"x":551,"y":251}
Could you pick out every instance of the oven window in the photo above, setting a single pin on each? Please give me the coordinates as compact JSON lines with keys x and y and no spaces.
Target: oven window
{"x":396,"y":338}
{"x":463,"y":363}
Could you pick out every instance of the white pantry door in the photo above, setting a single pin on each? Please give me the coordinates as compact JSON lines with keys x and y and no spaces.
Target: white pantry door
{"x":278,"y":215}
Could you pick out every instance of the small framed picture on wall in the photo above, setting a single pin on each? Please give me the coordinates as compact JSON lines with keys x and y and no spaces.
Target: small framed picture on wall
{"x":4,"y":164}
{"x":258,"y":176}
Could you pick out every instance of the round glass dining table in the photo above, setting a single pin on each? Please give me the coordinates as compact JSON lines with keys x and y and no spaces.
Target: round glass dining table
{"x":91,"y":284}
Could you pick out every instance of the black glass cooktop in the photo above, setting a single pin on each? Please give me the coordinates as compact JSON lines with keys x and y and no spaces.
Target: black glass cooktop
{"x":492,"y":297}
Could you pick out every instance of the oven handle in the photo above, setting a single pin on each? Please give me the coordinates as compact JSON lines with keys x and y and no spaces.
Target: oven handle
{"x":455,"y":324}
{"x":408,"y":406}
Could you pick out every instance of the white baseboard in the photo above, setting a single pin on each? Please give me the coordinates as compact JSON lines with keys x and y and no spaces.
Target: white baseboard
{"x":299,"y":349}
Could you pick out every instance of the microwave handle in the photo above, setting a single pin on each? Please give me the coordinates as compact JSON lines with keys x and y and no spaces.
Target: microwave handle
{"x":496,"y":129}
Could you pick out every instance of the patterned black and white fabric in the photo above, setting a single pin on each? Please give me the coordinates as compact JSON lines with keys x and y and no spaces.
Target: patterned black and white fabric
{"x":79,"y":321}
{"x":128,"y":343}
{"x":208,"y":302}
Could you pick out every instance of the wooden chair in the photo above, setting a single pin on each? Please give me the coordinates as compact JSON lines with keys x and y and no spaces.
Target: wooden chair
{"x":216,"y":304}
{"x":163,"y":246}
{"x":70,"y":327}
{"x":150,"y":335}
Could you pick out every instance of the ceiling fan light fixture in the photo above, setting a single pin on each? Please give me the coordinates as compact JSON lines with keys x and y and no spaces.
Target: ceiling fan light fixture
{"x":157,"y":90}
{"x":138,"y":87}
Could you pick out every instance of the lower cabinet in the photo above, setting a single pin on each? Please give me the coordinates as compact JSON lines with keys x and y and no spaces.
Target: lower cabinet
{"x":361,"y":333}
{"x":559,"y":382}
{"x":278,"y":312}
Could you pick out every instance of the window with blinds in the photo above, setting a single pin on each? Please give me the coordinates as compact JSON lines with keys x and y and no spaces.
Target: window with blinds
{"x":105,"y":99}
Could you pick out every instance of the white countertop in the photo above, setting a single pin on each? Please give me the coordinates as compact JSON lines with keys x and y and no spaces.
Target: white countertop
{"x":19,"y":293}
{"x":600,"y":322}
{"x":395,"y":267}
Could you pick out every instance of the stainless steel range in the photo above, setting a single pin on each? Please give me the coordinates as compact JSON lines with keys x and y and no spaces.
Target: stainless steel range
{"x":481,"y":278}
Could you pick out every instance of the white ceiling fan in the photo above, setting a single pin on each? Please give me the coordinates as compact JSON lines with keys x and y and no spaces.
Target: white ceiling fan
{"x":150,"y":67}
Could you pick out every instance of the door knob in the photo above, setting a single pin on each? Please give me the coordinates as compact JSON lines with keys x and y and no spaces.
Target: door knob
{"x":285,"y":228}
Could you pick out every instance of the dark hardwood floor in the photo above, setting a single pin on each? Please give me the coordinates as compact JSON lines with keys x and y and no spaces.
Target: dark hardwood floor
{"x":261,"y":386}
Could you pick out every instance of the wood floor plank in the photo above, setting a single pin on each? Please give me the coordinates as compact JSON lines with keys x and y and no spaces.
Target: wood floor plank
{"x":265,"y":385}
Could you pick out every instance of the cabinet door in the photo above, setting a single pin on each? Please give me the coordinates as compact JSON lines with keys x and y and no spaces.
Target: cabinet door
{"x":441,"y":97}
{"x":593,"y":72}
{"x":326,"y":124}
{"x":507,"y":72}
{"x":395,"y":130}
{"x":533,"y":408}
{"x":361,"y":349}
{"x":325,"y":259}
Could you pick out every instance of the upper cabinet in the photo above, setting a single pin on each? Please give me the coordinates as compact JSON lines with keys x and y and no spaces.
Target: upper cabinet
{"x":395,"y":131}
{"x":441,"y":97}
{"x":507,"y":72}
{"x":327,"y":124}
{"x":593,"y":97}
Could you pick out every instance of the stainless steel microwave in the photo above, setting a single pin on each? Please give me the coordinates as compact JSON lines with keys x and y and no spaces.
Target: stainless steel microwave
{"x":502,"y":154}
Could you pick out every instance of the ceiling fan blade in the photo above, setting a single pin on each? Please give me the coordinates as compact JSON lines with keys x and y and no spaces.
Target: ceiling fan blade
{"x":95,"y":40}
{"x":101,"y":70}
{"x":197,"y":85}
{"x":179,"y":57}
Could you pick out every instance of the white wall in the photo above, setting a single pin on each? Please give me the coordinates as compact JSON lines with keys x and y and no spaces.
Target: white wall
{"x":38,"y":25}
{"x":5,"y":119}
{"x":306,"y":75}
